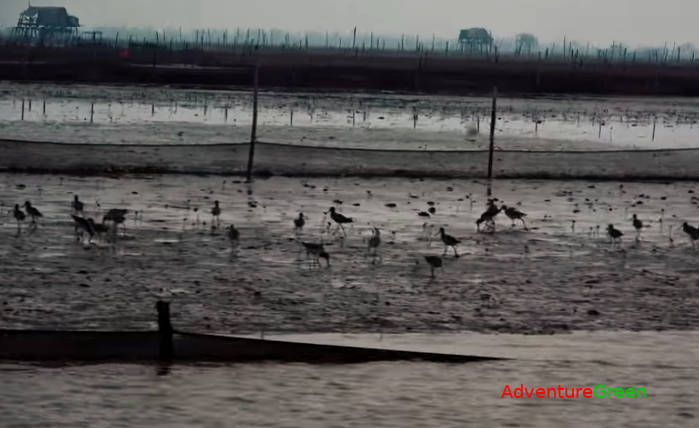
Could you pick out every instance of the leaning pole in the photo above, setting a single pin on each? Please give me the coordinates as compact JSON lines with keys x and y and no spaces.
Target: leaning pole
{"x":253,"y":133}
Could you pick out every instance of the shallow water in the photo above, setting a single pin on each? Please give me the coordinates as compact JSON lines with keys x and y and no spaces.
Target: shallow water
{"x":377,"y":394}
{"x":607,"y":121}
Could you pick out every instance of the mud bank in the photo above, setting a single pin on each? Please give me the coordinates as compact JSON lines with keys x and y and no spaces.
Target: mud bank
{"x":557,"y":277}
{"x":306,"y":161}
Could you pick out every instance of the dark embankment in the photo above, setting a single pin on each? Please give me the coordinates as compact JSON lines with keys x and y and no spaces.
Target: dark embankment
{"x":345,"y":70}
{"x":293,"y":160}
{"x":145,"y":346}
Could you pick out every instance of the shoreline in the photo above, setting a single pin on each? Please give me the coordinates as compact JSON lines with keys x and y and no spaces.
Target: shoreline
{"x":274,"y":159}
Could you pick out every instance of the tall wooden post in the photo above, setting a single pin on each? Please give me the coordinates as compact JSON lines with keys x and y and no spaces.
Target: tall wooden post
{"x":253,"y":134}
{"x":165,"y":330}
{"x":493,"y":119}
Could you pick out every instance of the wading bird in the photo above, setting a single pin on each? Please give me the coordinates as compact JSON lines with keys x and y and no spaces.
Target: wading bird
{"x":116,"y":216}
{"x":32,"y":211}
{"x":77,"y":205}
{"x":614,"y":234}
{"x":83,"y":226}
{"x":19,"y":216}
{"x":434,"y":262}
{"x":216,"y":212}
{"x":316,"y":251}
{"x":99,"y":228}
{"x":374,"y":242}
{"x":449,"y":241}
{"x":340,"y":219}
{"x":299,"y":222}
{"x":692,"y":232}
{"x":488,"y":216}
{"x":514,"y":214}
{"x":233,"y":235}
{"x":638,"y":225}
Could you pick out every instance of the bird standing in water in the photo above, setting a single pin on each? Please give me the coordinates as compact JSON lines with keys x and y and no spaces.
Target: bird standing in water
{"x":77,"y":205}
{"x":116,"y":216}
{"x":83,"y":226}
{"x":434,"y":262}
{"x":692,"y":232}
{"x":449,"y":241}
{"x":614,"y":234}
{"x":514,"y":214}
{"x":216,"y":212}
{"x":340,"y":219}
{"x":317,"y":251}
{"x":99,"y":228}
{"x":638,"y":225}
{"x":233,"y":235}
{"x":374,"y":242}
{"x":19,"y":216}
{"x":299,"y":222}
{"x":32,"y":211}
{"x":488,"y":216}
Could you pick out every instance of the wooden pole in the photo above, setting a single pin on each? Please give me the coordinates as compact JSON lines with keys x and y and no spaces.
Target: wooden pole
{"x":493,"y":118}
{"x":253,"y":134}
{"x":22,"y":108}
{"x":165,"y":330}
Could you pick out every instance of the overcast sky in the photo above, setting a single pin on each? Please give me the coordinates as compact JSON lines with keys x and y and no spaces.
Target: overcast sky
{"x":635,"y":22}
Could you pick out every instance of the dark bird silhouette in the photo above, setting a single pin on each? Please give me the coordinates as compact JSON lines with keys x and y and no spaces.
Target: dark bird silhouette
{"x":19,"y":216}
{"x":514,"y":214}
{"x":299,"y":222}
{"x":216,"y":212}
{"x":98,"y":228}
{"x":434,"y":262}
{"x":233,"y":235}
{"x":614,"y":234}
{"x":692,"y":232}
{"x":374,"y":241}
{"x":77,"y":205}
{"x":638,"y":225}
{"x":316,"y":251}
{"x":449,"y":241}
{"x":83,"y":226}
{"x":488,"y":216}
{"x":32,"y":211}
{"x":340,"y":219}
{"x":116,"y":216}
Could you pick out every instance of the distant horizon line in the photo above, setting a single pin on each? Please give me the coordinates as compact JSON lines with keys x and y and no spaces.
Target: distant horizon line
{"x":364,"y":36}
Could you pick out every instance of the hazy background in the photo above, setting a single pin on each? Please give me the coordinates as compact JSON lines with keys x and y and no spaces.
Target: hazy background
{"x":634,"y":22}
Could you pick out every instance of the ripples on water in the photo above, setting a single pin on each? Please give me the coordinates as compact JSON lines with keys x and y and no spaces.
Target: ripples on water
{"x":378,"y":394}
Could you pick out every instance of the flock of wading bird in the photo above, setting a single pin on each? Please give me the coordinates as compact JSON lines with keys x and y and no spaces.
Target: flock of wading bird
{"x":86,"y":228}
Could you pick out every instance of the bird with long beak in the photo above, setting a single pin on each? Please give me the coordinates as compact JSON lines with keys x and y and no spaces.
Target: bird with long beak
{"x":514,"y":214}
{"x":32,"y":211}
{"x":449,"y":241}
{"x":488,"y":216}
{"x":339,"y":219}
